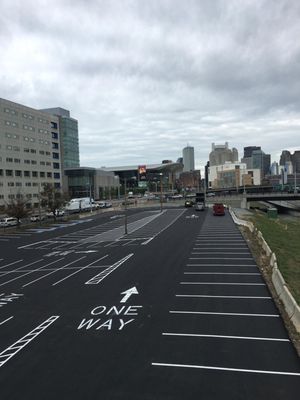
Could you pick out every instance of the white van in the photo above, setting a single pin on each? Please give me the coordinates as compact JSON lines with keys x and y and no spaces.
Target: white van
{"x":8,"y":221}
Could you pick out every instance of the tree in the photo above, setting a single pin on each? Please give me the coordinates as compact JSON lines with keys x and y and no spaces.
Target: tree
{"x":52,"y":198}
{"x":17,"y":208}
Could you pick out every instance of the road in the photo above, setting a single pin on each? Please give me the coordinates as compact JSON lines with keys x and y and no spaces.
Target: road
{"x":176,"y":309}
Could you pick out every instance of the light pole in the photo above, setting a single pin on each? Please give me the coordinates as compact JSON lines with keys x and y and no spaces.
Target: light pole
{"x":161,"y":193}
{"x":295,"y":180}
{"x":125,"y":201}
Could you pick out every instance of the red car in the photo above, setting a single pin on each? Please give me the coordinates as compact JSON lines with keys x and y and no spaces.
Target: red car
{"x":218,"y":209}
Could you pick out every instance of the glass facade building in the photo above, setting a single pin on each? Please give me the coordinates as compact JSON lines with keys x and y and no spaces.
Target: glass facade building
{"x":69,"y":142}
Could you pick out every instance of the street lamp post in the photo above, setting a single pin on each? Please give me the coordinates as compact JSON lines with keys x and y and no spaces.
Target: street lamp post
{"x":125,"y":201}
{"x":295,"y":180}
{"x":161,"y":193}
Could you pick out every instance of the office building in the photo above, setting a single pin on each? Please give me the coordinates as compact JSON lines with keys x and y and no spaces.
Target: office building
{"x":29,"y":152}
{"x":188,"y":157}
{"x":261,"y":161}
{"x":249,"y":150}
{"x":232,"y":175}
{"x":274,"y":168}
{"x":221,"y":154}
{"x":69,"y":141}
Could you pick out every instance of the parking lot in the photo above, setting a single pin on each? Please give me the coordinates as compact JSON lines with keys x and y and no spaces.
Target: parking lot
{"x":175,"y":309}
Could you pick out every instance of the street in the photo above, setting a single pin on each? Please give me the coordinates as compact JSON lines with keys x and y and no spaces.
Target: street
{"x":176,"y":309}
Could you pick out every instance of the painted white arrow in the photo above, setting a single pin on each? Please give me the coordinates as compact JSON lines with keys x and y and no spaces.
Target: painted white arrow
{"x":128,"y":293}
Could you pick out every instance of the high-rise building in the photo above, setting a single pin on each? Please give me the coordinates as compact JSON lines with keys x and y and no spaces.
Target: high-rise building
{"x":29,"y":152}
{"x":274,"y":168}
{"x":220,"y":154}
{"x":261,"y":161}
{"x":249,"y":150}
{"x":188,"y":159}
{"x":69,"y":141}
{"x":286,"y":156}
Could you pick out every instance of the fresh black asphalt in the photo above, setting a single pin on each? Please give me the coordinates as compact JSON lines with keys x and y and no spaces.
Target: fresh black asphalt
{"x":202,"y":326}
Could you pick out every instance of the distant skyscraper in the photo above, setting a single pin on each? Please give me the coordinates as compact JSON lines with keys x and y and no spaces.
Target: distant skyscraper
{"x":248,"y":150}
{"x":221,"y":153}
{"x":285,"y":156}
{"x":262,"y":161}
{"x":188,"y":159}
{"x":274,"y":168}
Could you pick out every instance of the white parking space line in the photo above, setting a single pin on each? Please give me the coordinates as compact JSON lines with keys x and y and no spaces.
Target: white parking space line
{"x":99,"y":277}
{"x":254,"y":371}
{"x":79,"y":270}
{"x":225,"y":337}
{"x":220,"y":258}
{"x":20,"y":269}
{"x":6,"y":320}
{"x":31,"y":244}
{"x":223,"y":283}
{"x":222,"y":265}
{"x":12,"y":350}
{"x":221,"y":273}
{"x":29,"y":272}
{"x":224,"y":297}
{"x":12,"y":263}
{"x":219,"y":252}
{"x":220,"y":248}
{"x":225,"y":314}
{"x":52,"y":272}
{"x":4,"y":240}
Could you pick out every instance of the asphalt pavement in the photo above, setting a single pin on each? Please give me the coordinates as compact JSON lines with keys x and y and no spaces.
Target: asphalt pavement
{"x":175,"y":309}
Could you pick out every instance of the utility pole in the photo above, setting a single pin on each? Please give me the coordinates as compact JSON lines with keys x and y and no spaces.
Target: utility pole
{"x":161,"y":193}
{"x":125,"y":196}
{"x":295,"y":180}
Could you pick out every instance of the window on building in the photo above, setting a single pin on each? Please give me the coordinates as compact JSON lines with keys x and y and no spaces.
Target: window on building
{"x":53,"y":125}
{"x":54,"y":135}
{"x":49,"y":174}
{"x":26,"y":173}
{"x":33,"y":162}
{"x":42,"y":162}
{"x":9,"y":159}
{"x":54,"y":145}
{"x":17,"y":160}
{"x":18,"y":183}
{"x":26,"y":150}
{"x":56,"y":165}
{"x":33,"y":151}
{"x":34,"y":174}
{"x":55,"y":155}
{"x":27,"y":184}
{"x":18,"y":173}
{"x":42,"y":174}
{"x":42,"y":152}
{"x":56,"y":175}
{"x":9,"y":172}
{"x":10,"y":184}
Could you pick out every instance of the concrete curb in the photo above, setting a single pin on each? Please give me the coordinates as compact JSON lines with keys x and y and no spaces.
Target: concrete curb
{"x":282,"y":291}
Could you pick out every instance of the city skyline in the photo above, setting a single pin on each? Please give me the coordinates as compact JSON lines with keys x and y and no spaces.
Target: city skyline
{"x":143,"y":79}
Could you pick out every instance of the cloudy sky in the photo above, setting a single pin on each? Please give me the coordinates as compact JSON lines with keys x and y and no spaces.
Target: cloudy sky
{"x":146,"y":77}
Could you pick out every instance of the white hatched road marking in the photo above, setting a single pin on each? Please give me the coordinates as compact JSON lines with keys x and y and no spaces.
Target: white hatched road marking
{"x":99,"y":277}
{"x":12,"y":350}
{"x":225,"y":337}
{"x":255,"y":371}
{"x":20,"y":268}
{"x":229,"y":314}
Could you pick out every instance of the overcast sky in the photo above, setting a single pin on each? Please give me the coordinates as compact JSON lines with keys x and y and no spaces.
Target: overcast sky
{"x":146,"y":77}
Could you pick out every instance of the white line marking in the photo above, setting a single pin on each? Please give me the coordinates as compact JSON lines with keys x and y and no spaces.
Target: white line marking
{"x":219,"y":252}
{"x":4,"y":240}
{"x":8,"y":353}
{"x":52,"y":272}
{"x":20,"y":268}
{"x":99,"y":277}
{"x":79,"y":270}
{"x":230,"y":314}
{"x":148,"y":241}
{"x":31,"y":244}
{"x":27,"y":273}
{"x":222,"y":265}
{"x":12,"y":263}
{"x":220,"y":258}
{"x":224,"y":337}
{"x":223,"y":283}
{"x":223,"y":297}
{"x":3,"y":322}
{"x":254,"y":371}
{"x":221,"y":273}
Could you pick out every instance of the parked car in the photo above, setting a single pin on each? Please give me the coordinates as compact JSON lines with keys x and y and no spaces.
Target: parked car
{"x":103,"y":204}
{"x":37,"y":217}
{"x":188,"y":203}
{"x":10,"y":221}
{"x":58,"y":213}
{"x":199,"y":206}
{"x":218,"y":209}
